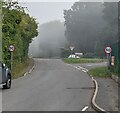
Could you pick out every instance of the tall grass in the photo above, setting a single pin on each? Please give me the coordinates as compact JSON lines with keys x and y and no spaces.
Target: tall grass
{"x":19,"y":68}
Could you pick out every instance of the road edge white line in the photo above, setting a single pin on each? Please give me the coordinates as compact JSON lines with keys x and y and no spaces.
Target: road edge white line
{"x":95,"y":106}
{"x":33,"y":67}
{"x":84,"y":71}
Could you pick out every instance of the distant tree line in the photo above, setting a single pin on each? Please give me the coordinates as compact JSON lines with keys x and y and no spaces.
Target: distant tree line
{"x":109,"y":34}
{"x":90,"y":27}
{"x":18,"y":29}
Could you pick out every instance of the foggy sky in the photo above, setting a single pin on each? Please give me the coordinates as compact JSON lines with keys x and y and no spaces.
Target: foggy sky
{"x":47,"y":11}
{"x":51,"y":33}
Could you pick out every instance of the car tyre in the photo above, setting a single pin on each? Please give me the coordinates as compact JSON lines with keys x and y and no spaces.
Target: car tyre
{"x":8,"y":83}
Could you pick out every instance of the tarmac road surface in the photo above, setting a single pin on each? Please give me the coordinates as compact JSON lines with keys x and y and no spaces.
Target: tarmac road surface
{"x":52,"y":86}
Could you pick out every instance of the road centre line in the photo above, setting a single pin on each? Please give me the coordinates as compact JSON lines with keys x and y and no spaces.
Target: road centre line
{"x":79,"y":68}
{"x":76,"y":67}
{"x":83,"y":68}
{"x":84,"y":71}
{"x":85,"y":108}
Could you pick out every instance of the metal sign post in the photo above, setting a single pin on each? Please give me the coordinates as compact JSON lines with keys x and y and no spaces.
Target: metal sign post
{"x":11,"y":53}
{"x":11,"y":49}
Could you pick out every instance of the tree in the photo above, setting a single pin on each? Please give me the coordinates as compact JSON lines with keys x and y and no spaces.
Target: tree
{"x":18,"y":28}
{"x":109,"y":33}
{"x":50,"y":41}
{"x":110,"y":15}
{"x":83,"y":24}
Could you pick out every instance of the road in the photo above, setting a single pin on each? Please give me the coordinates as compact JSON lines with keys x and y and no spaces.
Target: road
{"x":52,"y":86}
{"x":91,"y":65}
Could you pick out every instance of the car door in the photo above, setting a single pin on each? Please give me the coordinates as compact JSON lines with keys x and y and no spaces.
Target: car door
{"x":0,"y":72}
{"x":4,"y":77}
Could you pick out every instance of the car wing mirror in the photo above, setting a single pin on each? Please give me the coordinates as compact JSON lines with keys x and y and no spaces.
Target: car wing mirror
{"x":3,"y":65}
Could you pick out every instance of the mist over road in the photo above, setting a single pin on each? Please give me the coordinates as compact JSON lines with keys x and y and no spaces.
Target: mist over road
{"x":52,"y":86}
{"x":50,"y":40}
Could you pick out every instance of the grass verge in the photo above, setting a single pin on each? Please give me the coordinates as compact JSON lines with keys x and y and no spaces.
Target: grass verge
{"x":100,"y":72}
{"x":82,"y":60}
{"x":19,"y":69}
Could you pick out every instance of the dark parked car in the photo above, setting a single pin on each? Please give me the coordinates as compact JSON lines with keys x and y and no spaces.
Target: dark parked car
{"x":5,"y":76}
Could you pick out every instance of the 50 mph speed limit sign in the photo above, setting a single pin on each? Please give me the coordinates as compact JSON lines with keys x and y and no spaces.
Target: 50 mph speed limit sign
{"x":108,"y":50}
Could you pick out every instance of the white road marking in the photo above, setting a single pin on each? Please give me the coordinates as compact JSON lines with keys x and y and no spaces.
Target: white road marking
{"x":89,"y":65}
{"x":83,"y":68}
{"x":79,"y":68}
{"x":25,"y":73}
{"x":84,"y":71}
{"x":85,"y":108}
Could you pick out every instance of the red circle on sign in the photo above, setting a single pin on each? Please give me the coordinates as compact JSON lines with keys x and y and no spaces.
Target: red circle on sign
{"x":108,"y":50}
{"x":11,"y":48}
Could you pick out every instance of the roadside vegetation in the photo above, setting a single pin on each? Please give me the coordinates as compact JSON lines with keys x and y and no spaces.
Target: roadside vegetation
{"x":82,"y":60}
{"x":19,"y":70}
{"x":18,"y":29}
{"x":99,"y":31}
{"x":100,"y":72}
